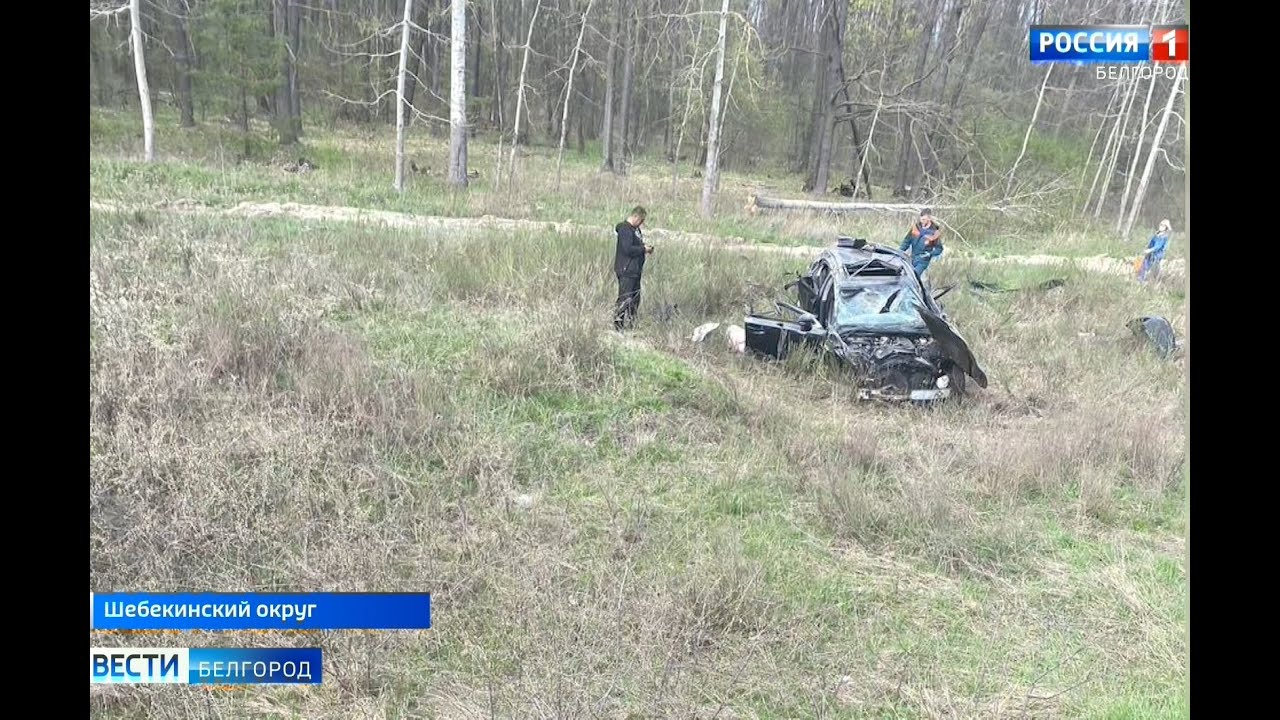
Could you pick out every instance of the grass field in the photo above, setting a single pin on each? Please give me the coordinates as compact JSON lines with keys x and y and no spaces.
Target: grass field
{"x":622,"y":527}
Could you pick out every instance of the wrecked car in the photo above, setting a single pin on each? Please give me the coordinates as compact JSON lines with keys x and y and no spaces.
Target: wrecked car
{"x":863,"y":306}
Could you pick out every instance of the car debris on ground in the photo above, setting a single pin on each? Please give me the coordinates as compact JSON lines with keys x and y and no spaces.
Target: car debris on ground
{"x":981,"y":286}
{"x":734,"y":334}
{"x":1158,"y":332}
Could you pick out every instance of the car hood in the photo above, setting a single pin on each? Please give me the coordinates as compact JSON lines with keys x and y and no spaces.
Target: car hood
{"x":954,"y":346}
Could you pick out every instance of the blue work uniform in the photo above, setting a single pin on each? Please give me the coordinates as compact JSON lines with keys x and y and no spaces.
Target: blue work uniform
{"x":915,"y":244}
{"x":1151,"y":261}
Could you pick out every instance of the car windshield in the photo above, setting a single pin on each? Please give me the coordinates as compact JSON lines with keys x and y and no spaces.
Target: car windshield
{"x":890,"y":306}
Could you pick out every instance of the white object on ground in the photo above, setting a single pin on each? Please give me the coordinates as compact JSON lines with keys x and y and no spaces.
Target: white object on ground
{"x":700,"y":333}
{"x":737,"y":338}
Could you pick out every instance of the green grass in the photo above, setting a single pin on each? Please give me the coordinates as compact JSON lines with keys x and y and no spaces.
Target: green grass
{"x":626,"y":527}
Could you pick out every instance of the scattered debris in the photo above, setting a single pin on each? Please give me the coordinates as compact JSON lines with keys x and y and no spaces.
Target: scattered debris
{"x":987,"y":287}
{"x":737,"y":338}
{"x":302,"y":166}
{"x":1157,"y":331}
{"x":700,"y":333}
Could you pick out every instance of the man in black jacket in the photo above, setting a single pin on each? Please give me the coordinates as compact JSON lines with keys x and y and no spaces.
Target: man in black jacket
{"x":628,"y":265}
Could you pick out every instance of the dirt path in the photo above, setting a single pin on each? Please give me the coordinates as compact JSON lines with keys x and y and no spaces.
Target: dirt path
{"x":334,"y":213}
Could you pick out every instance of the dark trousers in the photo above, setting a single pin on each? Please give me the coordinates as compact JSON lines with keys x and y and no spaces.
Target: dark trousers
{"x":628,"y":304}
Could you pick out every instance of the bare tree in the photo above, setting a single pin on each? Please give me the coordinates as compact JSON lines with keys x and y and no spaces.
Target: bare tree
{"x":1140,"y":193}
{"x":711,"y":175}
{"x":695,"y":73}
{"x":402,"y":103}
{"x":140,"y":70}
{"x":458,"y":96}
{"x":568,"y":90}
{"x":524,"y":68}
{"x":1137,"y":150}
{"x":1110,"y":173}
{"x":1008,"y":188}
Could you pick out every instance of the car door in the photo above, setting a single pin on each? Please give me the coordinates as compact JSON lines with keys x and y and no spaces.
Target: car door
{"x":809,"y":285}
{"x":777,"y":335}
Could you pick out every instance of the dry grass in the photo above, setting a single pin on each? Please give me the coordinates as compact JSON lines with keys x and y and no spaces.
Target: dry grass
{"x":625,"y":527}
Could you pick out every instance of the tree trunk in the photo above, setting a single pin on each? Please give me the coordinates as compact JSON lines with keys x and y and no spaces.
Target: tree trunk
{"x":458,"y":96}
{"x":1112,"y":146}
{"x":402,"y":105}
{"x":420,"y":69}
{"x":524,"y":67}
{"x":140,"y":71}
{"x":495,"y":29}
{"x":181,"y":11}
{"x":1115,"y":155}
{"x":711,"y":175}
{"x":922,"y":62}
{"x":437,"y":64}
{"x":606,"y":130}
{"x":1137,"y":150}
{"x":280,"y":27}
{"x":833,"y":34}
{"x":1141,"y":191}
{"x":568,"y":93}
{"x":295,"y":47}
{"x":1008,"y":188}
{"x":1120,"y":95}
{"x":476,"y":70}
{"x":628,"y":29}
{"x":695,"y":82}
{"x":768,"y":203}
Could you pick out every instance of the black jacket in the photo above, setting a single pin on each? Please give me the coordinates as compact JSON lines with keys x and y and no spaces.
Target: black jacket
{"x":628,"y":261}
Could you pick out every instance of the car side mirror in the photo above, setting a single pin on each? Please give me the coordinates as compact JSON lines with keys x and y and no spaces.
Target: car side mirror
{"x":807,"y":322}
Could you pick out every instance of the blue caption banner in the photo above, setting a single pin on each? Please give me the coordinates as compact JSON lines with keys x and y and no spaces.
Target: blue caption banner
{"x":206,"y":666}
{"x":260,"y":611}
{"x":1090,"y":43}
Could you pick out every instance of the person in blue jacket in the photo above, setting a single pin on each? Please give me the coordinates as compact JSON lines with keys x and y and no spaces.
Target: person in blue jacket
{"x":923,"y":242}
{"x":1154,"y":254}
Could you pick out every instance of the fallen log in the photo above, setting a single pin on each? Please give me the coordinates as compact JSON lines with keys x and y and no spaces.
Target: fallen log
{"x":755,"y":203}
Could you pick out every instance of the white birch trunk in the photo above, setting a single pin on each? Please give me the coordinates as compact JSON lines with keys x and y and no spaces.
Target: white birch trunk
{"x":710,"y":177}
{"x":568,"y":92}
{"x":1026,"y":138}
{"x":1137,"y":150}
{"x":1141,"y":191}
{"x":524,"y":67}
{"x":144,"y":90}
{"x":1112,"y":140}
{"x":1115,"y":155}
{"x":458,"y":96}
{"x":401,"y":107}
{"x":695,"y":80}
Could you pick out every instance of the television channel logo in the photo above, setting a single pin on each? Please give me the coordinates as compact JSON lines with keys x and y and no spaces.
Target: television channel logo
{"x":1170,"y":43}
{"x":1111,"y":44}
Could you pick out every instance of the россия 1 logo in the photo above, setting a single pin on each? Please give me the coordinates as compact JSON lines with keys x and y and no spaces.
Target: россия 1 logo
{"x":1112,"y":44}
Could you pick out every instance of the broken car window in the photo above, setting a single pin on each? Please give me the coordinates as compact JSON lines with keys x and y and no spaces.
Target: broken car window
{"x":874,"y":307}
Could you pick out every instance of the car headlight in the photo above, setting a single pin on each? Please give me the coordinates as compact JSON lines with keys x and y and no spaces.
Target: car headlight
{"x":943,"y":382}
